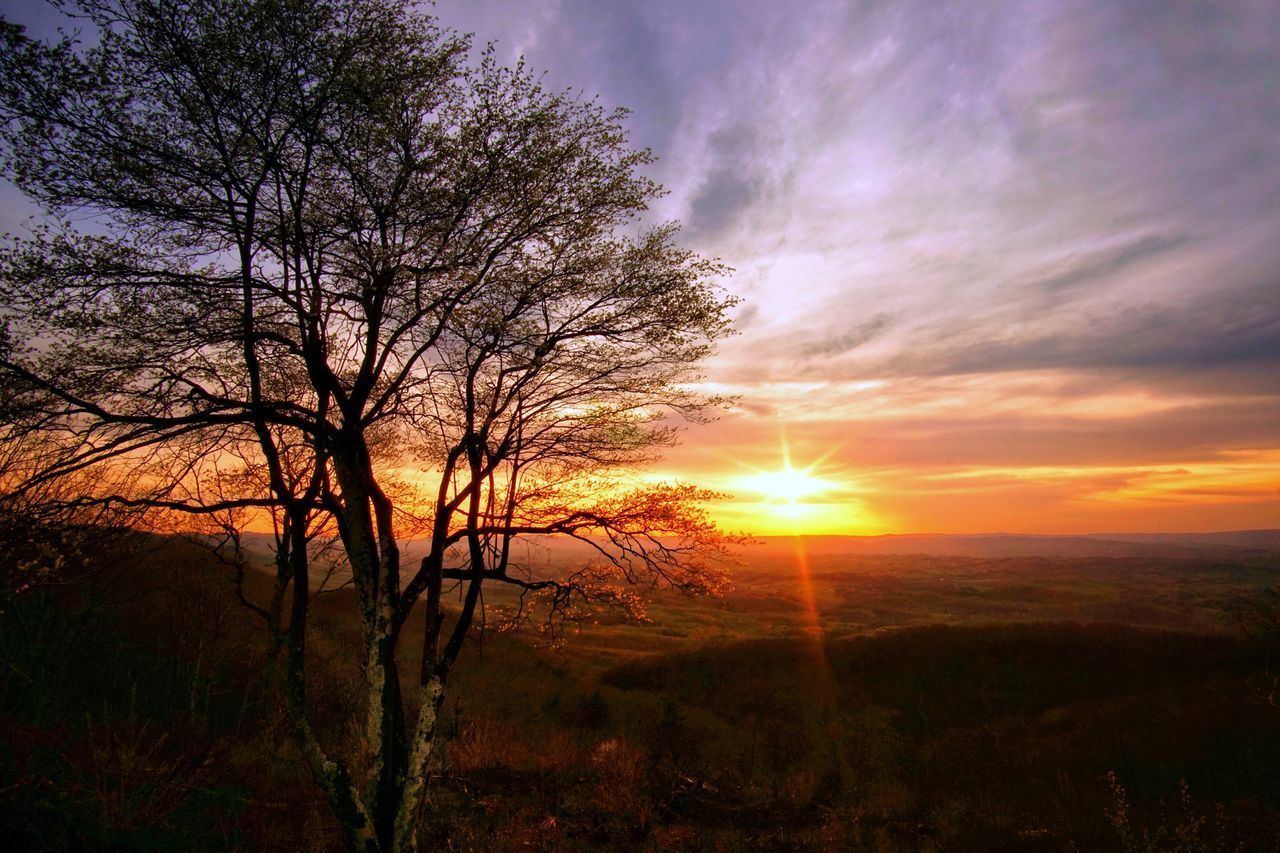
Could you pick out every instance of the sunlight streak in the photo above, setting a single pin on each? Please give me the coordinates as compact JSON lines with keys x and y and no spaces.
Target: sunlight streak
{"x":784,"y":491}
{"x":814,"y":627}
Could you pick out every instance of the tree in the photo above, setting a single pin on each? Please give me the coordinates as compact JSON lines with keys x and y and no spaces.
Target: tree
{"x":321,"y":249}
{"x":47,"y":538}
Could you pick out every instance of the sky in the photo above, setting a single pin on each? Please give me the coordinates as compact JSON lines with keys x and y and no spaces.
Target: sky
{"x":1004,"y":266}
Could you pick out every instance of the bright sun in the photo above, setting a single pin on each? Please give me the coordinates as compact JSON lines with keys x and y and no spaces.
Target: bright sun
{"x":817,"y":498}
{"x":789,"y":485}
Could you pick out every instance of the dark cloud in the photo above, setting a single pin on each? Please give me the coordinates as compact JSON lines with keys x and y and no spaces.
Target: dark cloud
{"x":847,"y":341}
{"x":733,"y":183}
{"x":1101,"y":265}
{"x":746,"y":317}
{"x":1200,"y":433}
{"x":1232,"y":328}
{"x":1184,"y":111}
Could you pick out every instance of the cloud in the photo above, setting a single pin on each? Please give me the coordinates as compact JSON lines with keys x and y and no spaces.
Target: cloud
{"x":731,"y":185}
{"x":1102,"y":264}
{"x":1239,"y":327}
{"x":848,"y":340}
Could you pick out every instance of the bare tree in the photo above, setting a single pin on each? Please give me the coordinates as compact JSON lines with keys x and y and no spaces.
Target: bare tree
{"x":321,"y":247}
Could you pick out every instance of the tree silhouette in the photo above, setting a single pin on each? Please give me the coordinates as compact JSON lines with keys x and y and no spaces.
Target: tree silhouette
{"x":315,"y":248}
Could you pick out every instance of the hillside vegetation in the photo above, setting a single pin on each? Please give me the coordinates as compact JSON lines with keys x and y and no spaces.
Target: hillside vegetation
{"x":922,"y":703}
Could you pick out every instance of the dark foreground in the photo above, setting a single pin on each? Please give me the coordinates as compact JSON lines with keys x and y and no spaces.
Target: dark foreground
{"x":877,"y":702}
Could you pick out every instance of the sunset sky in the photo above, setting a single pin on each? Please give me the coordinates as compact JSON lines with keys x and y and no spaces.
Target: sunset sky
{"x":1004,"y":266}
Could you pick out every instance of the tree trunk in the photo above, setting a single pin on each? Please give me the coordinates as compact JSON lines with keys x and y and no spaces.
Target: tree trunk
{"x":414,"y":780}
{"x":343,"y":796}
{"x":385,"y":734}
{"x":374,"y":558}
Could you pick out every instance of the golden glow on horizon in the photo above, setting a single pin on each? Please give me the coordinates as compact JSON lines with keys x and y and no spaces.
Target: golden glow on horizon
{"x":1038,"y":451}
{"x":848,"y":518}
{"x":807,"y":488}
{"x":793,"y":500}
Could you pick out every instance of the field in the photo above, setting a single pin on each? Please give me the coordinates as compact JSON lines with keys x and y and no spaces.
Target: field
{"x":844,"y":695}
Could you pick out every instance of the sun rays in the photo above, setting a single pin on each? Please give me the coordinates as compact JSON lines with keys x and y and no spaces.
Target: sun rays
{"x":786,"y":493}
{"x":788,"y":487}
{"x":797,"y":495}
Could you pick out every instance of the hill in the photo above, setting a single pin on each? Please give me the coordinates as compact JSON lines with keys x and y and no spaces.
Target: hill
{"x":1250,"y":544}
{"x":835,"y":699}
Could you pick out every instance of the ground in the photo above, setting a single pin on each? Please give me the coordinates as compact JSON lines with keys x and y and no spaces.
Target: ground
{"x":832,"y":700}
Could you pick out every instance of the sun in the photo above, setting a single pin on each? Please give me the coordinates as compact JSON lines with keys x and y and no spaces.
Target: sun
{"x":787,"y":485}
{"x":788,"y":488}
{"x":785,"y":499}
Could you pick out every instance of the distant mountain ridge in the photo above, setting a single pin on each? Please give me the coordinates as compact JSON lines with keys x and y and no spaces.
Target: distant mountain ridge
{"x":1233,"y":543}
{"x":1266,"y":540}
